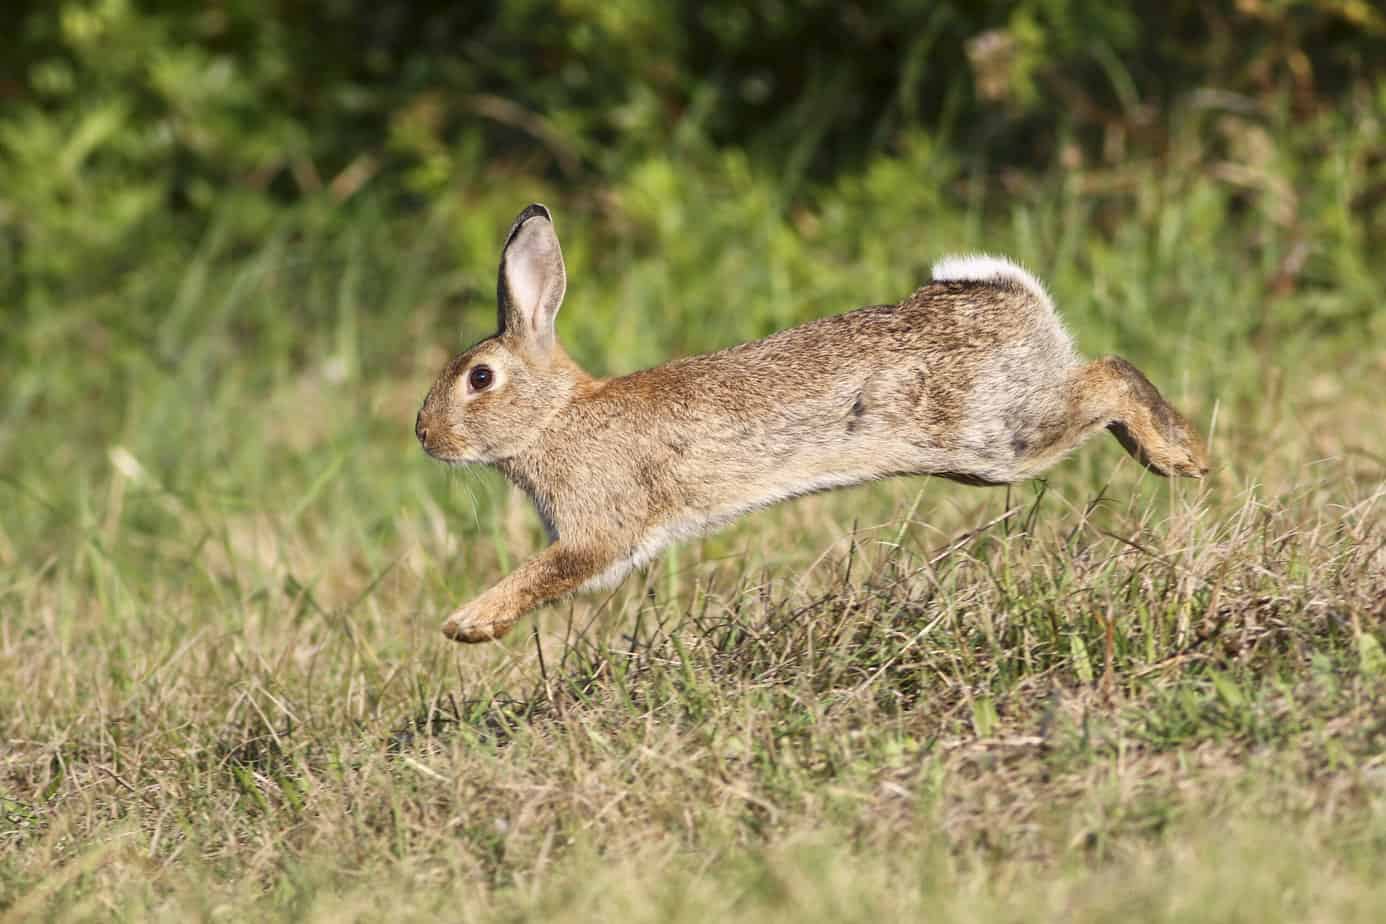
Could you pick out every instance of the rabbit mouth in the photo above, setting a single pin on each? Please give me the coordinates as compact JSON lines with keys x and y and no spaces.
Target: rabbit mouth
{"x":442,"y":450}
{"x":452,"y":458}
{"x":443,"y":445}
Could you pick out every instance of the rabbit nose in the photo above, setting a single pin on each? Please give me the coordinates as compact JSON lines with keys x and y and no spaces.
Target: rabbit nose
{"x":420,"y":430}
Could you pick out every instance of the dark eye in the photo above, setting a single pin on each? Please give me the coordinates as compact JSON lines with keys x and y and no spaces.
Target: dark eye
{"x":480,"y":378}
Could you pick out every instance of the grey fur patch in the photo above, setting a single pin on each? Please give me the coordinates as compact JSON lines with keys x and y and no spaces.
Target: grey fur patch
{"x":856,"y":413}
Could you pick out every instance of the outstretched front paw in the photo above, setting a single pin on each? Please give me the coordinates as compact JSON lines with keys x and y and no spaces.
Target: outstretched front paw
{"x":472,"y":625}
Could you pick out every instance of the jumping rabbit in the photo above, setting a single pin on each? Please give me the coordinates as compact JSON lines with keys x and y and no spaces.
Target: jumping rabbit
{"x":972,"y":378}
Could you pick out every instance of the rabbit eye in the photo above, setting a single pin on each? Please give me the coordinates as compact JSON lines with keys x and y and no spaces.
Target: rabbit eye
{"x":480,"y":378}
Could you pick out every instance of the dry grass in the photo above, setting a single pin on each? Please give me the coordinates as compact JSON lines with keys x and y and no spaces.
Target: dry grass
{"x":223,"y":693}
{"x":906,"y":720}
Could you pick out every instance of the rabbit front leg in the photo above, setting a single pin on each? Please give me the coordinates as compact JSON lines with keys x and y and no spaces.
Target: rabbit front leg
{"x":554,"y":572}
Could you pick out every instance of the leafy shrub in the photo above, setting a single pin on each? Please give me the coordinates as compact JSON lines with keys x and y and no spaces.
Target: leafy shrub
{"x":126,"y":127}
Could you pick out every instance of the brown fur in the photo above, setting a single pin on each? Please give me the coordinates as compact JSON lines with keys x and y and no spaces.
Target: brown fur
{"x":970,"y":379}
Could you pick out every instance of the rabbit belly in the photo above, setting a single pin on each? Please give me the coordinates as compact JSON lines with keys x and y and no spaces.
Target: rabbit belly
{"x":694,"y":523}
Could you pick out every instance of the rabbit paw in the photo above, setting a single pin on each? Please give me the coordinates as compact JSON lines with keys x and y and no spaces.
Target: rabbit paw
{"x":471,"y":624}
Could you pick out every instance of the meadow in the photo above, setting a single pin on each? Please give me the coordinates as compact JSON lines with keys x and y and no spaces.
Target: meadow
{"x":224,"y":562}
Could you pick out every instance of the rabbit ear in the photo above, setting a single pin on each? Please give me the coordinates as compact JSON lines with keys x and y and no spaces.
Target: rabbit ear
{"x":532,"y":279}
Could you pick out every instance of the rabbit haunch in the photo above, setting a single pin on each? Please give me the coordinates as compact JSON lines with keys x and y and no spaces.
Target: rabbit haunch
{"x":972,"y":377}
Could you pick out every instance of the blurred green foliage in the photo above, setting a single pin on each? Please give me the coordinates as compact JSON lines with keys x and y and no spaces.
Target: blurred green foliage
{"x":128,"y":127}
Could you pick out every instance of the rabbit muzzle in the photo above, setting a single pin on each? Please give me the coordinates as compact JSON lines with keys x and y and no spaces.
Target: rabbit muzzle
{"x":434,"y":436}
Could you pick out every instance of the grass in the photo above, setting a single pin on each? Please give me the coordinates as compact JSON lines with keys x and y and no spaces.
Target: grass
{"x":223,"y":564}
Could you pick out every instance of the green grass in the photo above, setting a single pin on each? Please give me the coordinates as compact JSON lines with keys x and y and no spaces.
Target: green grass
{"x":224,"y":561}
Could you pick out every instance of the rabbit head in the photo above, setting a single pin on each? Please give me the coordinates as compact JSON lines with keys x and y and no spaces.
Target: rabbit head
{"x":491,"y":400}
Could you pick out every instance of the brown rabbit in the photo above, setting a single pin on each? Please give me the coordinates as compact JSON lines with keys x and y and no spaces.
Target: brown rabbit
{"x":972,"y":377}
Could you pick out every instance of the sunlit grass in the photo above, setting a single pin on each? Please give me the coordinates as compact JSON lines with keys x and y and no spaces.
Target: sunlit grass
{"x":224,"y":561}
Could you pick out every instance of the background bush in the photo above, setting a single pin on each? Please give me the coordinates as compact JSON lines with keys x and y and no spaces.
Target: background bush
{"x":127,"y":126}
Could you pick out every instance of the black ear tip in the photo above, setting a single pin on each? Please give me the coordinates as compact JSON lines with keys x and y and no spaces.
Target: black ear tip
{"x":533,"y":210}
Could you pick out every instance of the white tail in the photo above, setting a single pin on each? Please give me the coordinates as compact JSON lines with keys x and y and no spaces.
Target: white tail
{"x":981,"y":267}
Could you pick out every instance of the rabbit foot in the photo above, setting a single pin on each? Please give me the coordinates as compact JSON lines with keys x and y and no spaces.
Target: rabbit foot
{"x":470,"y":626}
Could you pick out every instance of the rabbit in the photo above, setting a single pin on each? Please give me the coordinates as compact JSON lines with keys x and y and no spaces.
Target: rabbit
{"x":972,"y":378}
